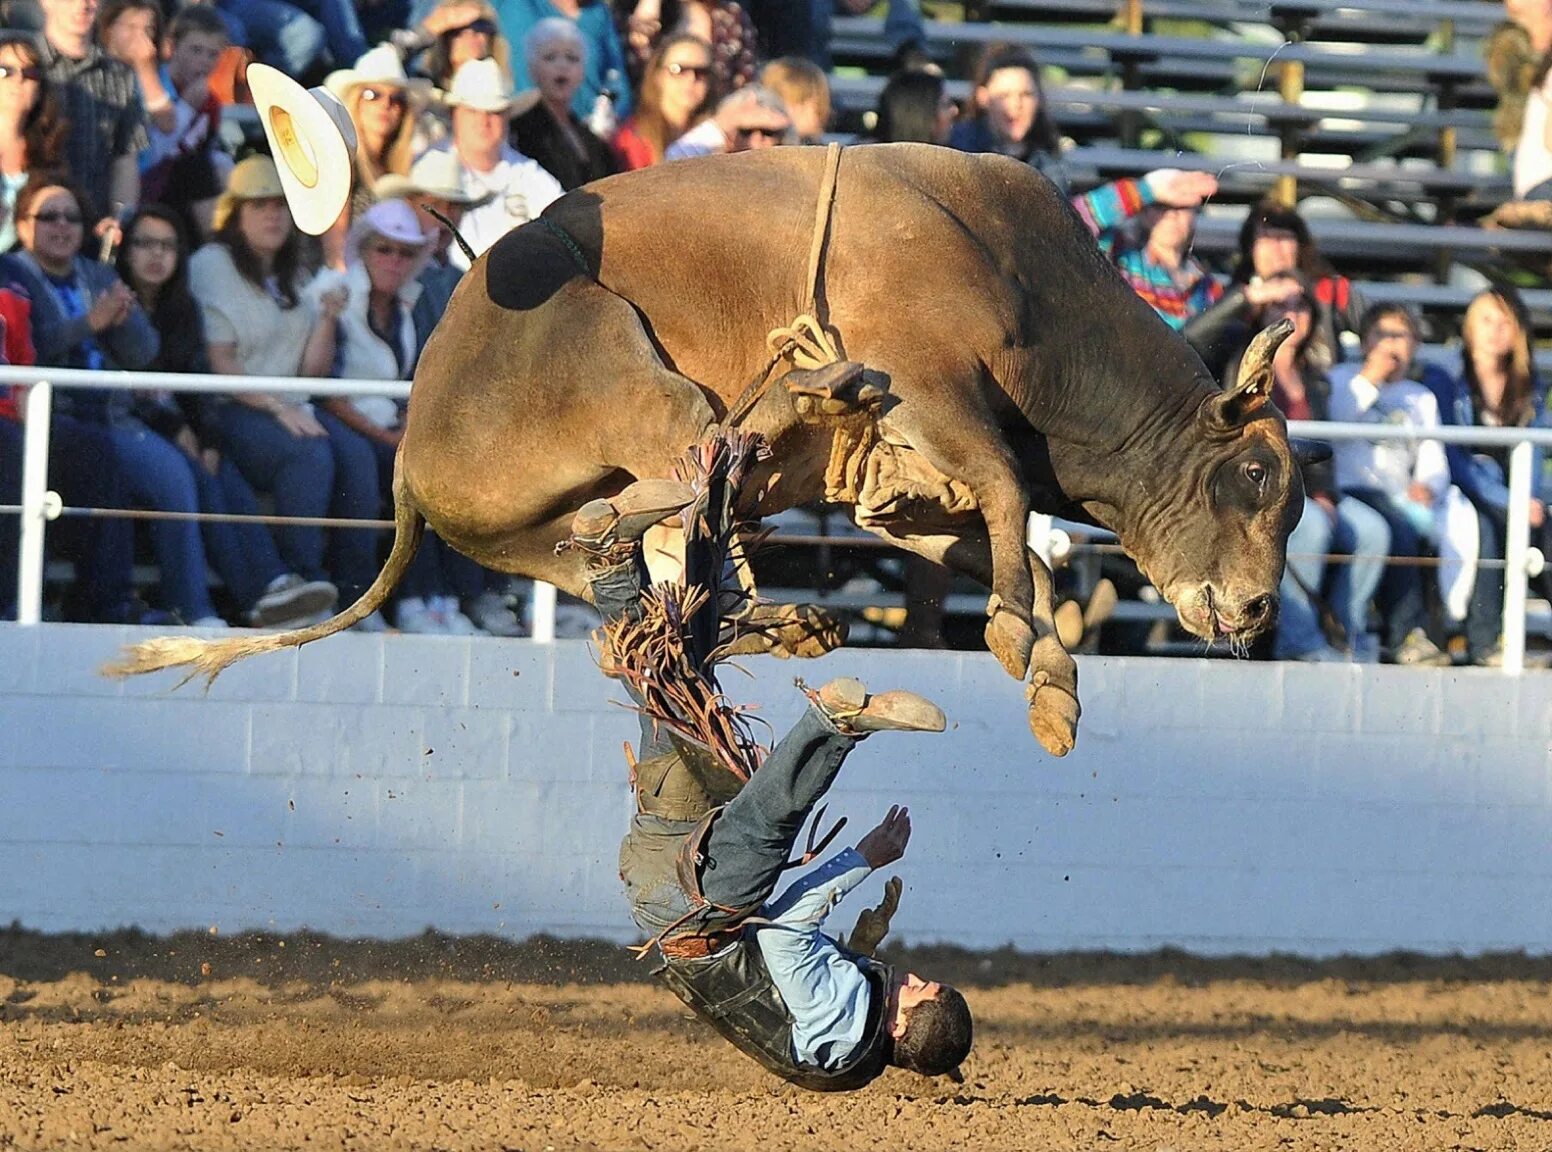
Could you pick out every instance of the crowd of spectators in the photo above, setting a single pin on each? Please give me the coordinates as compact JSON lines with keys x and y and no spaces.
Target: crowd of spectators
{"x":134,"y":239}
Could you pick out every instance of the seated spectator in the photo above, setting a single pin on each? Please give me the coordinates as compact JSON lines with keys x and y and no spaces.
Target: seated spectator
{"x":804,"y":93}
{"x":1331,"y":522}
{"x":453,"y":33}
{"x":677,"y":93}
{"x":83,"y":316}
{"x":434,"y":183}
{"x":248,"y":283}
{"x":1405,"y":481}
{"x":750,"y":119}
{"x":1497,"y":388}
{"x":100,"y":101}
{"x":1533,"y":150}
{"x":604,"y":71}
{"x":152,"y":261}
{"x":82,"y":468}
{"x":32,"y":130}
{"x":297,"y":36}
{"x":130,"y":32}
{"x":1274,"y":238}
{"x":1513,"y":51}
{"x":378,"y":341}
{"x":518,"y":187}
{"x":551,"y":132}
{"x":728,"y":29}
{"x":386,"y":108}
{"x":1010,"y":115}
{"x":1155,"y":259}
{"x":915,"y":106}
{"x":185,"y":168}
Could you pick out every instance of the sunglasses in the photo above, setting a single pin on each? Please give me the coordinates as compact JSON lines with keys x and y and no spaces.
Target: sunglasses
{"x":399,"y":251}
{"x":23,"y":72}
{"x":698,"y":71}
{"x":57,"y":217}
{"x":154,"y":244}
{"x":479,"y":28}
{"x":395,"y":98}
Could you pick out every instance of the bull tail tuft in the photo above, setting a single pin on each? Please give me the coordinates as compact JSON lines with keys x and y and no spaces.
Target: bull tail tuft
{"x":209,"y":658}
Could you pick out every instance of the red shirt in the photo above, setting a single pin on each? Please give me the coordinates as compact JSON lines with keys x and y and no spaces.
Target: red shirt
{"x":633,"y":152}
{"x":16,"y":314}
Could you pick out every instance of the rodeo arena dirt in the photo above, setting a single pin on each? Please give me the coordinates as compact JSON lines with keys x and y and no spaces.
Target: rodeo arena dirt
{"x":380,"y":890}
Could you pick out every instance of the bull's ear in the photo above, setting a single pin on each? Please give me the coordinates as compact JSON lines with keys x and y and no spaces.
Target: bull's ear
{"x":1253,"y":389}
{"x":1308,"y":452}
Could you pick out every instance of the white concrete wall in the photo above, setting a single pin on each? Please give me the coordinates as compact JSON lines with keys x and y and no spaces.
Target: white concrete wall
{"x":378,"y":785}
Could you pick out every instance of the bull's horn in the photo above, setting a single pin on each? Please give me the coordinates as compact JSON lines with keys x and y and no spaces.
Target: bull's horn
{"x":1308,"y":452}
{"x":1255,"y":369}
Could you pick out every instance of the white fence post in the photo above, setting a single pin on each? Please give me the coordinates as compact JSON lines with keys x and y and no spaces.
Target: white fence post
{"x":1516,"y":549}
{"x":543,"y":612}
{"x":39,"y":505}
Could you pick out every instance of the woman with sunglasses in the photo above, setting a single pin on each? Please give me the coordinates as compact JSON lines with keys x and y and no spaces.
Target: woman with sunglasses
{"x":83,"y":316}
{"x":32,"y":131}
{"x":259,"y":322}
{"x":153,"y":262}
{"x":385,"y":254}
{"x":677,"y":93}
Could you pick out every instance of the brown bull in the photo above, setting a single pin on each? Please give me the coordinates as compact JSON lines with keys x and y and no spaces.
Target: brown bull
{"x":1008,"y":368}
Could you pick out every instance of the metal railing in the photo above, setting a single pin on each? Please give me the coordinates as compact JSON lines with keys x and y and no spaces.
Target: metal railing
{"x":1047,"y":537}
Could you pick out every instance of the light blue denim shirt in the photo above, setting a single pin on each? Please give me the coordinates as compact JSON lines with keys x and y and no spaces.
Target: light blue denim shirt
{"x":825,"y":992}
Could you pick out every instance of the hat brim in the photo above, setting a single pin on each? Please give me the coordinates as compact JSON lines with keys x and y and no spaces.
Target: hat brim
{"x":505,"y":107}
{"x":342,"y":81}
{"x":312,"y":139}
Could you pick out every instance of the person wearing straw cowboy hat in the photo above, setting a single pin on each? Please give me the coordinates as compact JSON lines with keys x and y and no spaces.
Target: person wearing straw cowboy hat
{"x":434,"y":184}
{"x":520,"y":188}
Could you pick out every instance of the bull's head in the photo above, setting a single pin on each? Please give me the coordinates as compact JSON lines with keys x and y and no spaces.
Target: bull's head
{"x":1215,"y":539}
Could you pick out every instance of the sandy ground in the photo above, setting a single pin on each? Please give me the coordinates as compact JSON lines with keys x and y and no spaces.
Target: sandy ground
{"x":128,"y":1041}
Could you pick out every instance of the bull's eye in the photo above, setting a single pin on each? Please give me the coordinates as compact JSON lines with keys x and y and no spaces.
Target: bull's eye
{"x":1254,"y":472}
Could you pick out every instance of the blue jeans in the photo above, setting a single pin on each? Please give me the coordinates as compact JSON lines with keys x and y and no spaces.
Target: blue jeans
{"x":244,"y":555}
{"x":298,"y":471}
{"x":356,"y":496}
{"x":1359,"y":533}
{"x":84,"y":470}
{"x":292,"y":34}
{"x":1401,"y":591}
{"x":159,"y":477}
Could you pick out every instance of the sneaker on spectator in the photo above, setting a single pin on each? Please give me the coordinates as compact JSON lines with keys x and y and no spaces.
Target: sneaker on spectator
{"x":1325,"y":654}
{"x":454,"y":622}
{"x":210,"y":622}
{"x":1418,"y":651}
{"x":416,"y":616}
{"x":289,"y":600}
{"x":490,"y":613}
{"x":373,"y":623}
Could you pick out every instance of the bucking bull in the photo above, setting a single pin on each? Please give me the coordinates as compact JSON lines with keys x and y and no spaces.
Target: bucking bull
{"x":991,"y":363}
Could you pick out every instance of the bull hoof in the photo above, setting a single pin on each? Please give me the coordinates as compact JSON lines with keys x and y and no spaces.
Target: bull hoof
{"x":1011,"y":640}
{"x":804,"y":630}
{"x":1053,"y":698}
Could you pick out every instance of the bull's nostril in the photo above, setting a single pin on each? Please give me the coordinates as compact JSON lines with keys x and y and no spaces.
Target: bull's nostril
{"x":1259,"y":609}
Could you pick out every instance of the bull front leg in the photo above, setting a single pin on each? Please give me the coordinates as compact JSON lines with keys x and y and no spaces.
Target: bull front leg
{"x":1053,"y":674}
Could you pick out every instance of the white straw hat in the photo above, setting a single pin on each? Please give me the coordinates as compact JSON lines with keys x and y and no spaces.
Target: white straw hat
{"x":478,"y":84}
{"x":380,"y":66}
{"x":439,"y":174}
{"x":312,"y":140}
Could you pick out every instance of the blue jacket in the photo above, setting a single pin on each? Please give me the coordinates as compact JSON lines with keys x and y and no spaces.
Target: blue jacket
{"x":1479,"y":472}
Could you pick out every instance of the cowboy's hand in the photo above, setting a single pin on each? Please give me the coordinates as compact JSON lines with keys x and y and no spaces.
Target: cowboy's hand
{"x":873,"y":923}
{"x":1174,"y":188}
{"x":886,"y":843}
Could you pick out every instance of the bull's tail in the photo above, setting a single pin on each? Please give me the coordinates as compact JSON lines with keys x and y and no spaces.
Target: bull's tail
{"x":209,"y":658}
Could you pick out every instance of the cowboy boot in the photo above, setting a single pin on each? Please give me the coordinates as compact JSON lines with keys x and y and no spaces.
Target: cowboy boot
{"x":847,"y":704}
{"x":837,"y":389}
{"x":601,"y":524}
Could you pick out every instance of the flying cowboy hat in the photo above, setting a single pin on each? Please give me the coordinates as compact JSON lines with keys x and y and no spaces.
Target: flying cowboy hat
{"x":312,"y":140}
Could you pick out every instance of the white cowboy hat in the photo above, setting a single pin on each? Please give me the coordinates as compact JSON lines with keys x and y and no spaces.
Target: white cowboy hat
{"x":380,"y":66}
{"x":437,"y":174}
{"x":312,"y":140}
{"x":478,"y":84}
